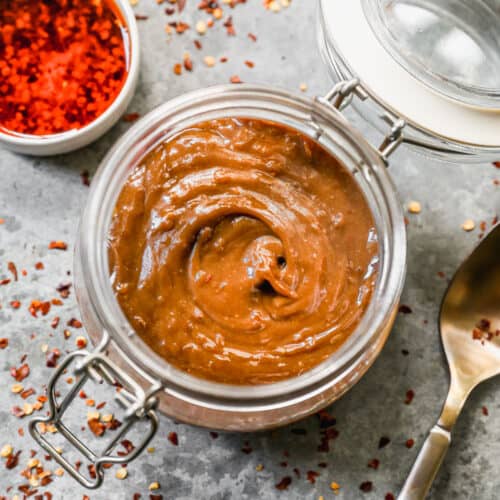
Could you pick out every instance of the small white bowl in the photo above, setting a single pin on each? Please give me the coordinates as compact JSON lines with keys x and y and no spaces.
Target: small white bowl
{"x":64,"y":142}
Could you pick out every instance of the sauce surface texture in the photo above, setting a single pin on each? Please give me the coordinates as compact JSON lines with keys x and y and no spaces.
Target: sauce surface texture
{"x":242,"y":252}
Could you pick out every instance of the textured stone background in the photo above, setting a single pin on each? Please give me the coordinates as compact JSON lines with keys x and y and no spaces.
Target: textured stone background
{"x":41,"y":199}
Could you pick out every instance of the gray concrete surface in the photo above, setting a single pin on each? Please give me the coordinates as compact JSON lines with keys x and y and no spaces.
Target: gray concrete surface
{"x":41,"y":199}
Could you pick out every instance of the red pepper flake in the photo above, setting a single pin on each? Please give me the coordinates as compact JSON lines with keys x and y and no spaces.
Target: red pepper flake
{"x":325,"y":419}
{"x":214,"y":435}
{"x":198,"y":44}
{"x":96,"y":426}
{"x":15,"y":304}
{"x":27,"y":393}
{"x":311,"y":476}
{"x":85,"y":177}
{"x":178,"y":69}
{"x":374,"y":463}
{"x":62,"y":63}
{"x":37,"y":306}
{"x":55,"y":322}
{"x":496,"y":164}
{"x":52,"y":358}
{"x":389,"y":496}
{"x":404,"y":309}
{"x":181,"y":4}
{"x":246,"y":448}
{"x":39,"y":266}
{"x":140,"y":17}
{"x":179,"y":26}
{"x":228,"y":24}
{"x":173,"y":438}
{"x":17,"y":412}
{"x":188,"y":64}
{"x":13,"y":269}
{"x":12,"y":460}
{"x":170,"y":11}
{"x":74,"y":323}
{"x":485,"y":411}
{"x":327,"y":435}
{"x":137,"y":496}
{"x":366,"y":486}
{"x":383,"y":442}
{"x":128,"y":445}
{"x":235,"y":79}
{"x":58,"y":245}
{"x":441,"y":274}
{"x":131,"y":117}
{"x":252,"y":37}
{"x":20,"y":373}
{"x":410,"y":394}
{"x":4,"y":343}
{"x":284,"y":483}
{"x":223,"y":59}
{"x":155,"y":497}
{"x":250,"y":64}
{"x":64,"y":290}
{"x":409,"y":443}
{"x":5,"y":281}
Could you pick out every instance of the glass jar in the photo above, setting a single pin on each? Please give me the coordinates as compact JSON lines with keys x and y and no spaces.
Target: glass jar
{"x":403,"y":106}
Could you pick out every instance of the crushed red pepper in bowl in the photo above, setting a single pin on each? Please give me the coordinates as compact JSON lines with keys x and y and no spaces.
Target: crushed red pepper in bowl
{"x":62,"y":63}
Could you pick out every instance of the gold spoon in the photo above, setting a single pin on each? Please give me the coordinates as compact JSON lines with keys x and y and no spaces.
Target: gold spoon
{"x":469,"y":320}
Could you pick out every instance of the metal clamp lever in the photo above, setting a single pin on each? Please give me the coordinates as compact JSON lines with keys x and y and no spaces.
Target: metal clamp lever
{"x":341,"y":95}
{"x":139,"y":405}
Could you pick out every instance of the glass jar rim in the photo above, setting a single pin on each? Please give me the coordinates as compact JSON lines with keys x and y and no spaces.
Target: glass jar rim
{"x":306,"y":115}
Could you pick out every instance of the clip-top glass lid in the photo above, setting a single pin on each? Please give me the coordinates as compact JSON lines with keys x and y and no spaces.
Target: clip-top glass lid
{"x":433,"y":63}
{"x":453,"y":46}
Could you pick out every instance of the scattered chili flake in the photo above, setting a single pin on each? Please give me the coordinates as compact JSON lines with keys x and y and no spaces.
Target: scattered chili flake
{"x":27,"y":393}
{"x":17,"y":411}
{"x":4,"y":343}
{"x":20,"y":373}
{"x":366,"y":486}
{"x":5,"y":281}
{"x":228,"y":24}
{"x":96,"y":426}
{"x":311,"y":476}
{"x":12,"y":460}
{"x":235,"y":79}
{"x":15,"y":304}
{"x":496,"y":164}
{"x":74,"y":323}
{"x":409,"y":443}
{"x":325,"y":419}
{"x":52,"y":358}
{"x":223,"y":59}
{"x":39,"y":266}
{"x":214,"y":435}
{"x":284,"y":483}
{"x":198,"y":44}
{"x":140,"y":17}
{"x":250,"y":64}
{"x":131,"y":117}
{"x":247,"y":449}
{"x":252,"y":37}
{"x":13,"y":269}
{"x":55,"y":322}
{"x":410,"y":394}
{"x":404,"y":309}
{"x":383,"y":442}
{"x":178,"y":69}
{"x":58,"y":245}
{"x":173,"y":438}
{"x":389,"y":496}
{"x":374,"y":463}
{"x":485,"y":411}
{"x":188,"y":64}
{"x":37,"y":306}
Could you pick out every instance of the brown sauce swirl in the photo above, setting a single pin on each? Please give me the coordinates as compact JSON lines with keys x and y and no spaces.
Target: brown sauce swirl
{"x":242,"y":252}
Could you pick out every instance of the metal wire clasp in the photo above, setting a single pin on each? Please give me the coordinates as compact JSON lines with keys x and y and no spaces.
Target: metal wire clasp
{"x":341,"y":96}
{"x":140,"y":405}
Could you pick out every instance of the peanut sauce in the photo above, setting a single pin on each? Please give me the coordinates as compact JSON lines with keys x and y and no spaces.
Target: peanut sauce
{"x":242,"y":252}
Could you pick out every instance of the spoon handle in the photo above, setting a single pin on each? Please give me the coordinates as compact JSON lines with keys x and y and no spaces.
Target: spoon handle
{"x":427,"y":464}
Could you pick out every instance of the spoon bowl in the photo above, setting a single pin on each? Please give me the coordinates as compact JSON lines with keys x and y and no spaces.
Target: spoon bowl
{"x":470,"y":333}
